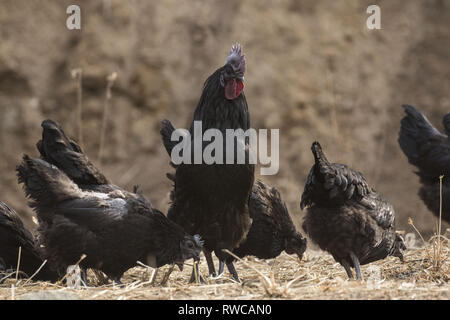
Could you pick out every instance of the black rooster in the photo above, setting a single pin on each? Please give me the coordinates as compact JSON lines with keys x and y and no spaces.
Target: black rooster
{"x":346,"y":217}
{"x":428,"y":150}
{"x":114,"y":230}
{"x":272,"y":230}
{"x":14,"y":235}
{"x":212,"y":200}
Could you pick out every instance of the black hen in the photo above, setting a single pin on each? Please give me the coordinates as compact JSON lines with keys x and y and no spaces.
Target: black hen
{"x":212,"y":200}
{"x":346,"y":217}
{"x":114,"y":230}
{"x":272,"y":230}
{"x":428,"y":150}
{"x":14,"y":235}
{"x":58,"y":149}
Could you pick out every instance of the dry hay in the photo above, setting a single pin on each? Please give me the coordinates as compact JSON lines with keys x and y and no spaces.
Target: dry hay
{"x":317,"y":276}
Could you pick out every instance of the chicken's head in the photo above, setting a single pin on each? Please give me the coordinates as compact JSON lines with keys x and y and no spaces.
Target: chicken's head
{"x":232,"y":75}
{"x":296,"y":244}
{"x":190,"y":246}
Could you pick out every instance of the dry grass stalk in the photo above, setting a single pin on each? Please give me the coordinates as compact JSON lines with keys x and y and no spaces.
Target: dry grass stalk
{"x":36,"y":272}
{"x":153,"y":275}
{"x":83,"y":256}
{"x":410,"y":221}
{"x":270,"y":285}
{"x":109,"y":83}
{"x":77,"y":74}
{"x":18,"y":263}
{"x":437,"y":256}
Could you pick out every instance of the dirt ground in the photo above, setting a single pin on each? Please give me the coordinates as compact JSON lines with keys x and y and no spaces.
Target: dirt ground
{"x":317,"y":276}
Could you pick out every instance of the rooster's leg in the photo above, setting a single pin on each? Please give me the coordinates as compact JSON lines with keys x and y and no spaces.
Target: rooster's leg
{"x":232,"y":270}
{"x":167,"y":275}
{"x":356,"y":264}
{"x":347,"y":269}
{"x":221,"y":267}
{"x":210,"y":262}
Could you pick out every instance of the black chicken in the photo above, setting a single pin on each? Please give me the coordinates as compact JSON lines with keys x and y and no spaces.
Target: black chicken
{"x":14,"y":235}
{"x":272,"y":229}
{"x":58,"y":149}
{"x":212,"y":200}
{"x":346,"y":217}
{"x":114,"y":230}
{"x":428,"y":150}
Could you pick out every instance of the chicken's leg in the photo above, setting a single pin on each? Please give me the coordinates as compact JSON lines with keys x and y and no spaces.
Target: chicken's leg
{"x":210,"y":262}
{"x":347,"y":268}
{"x":356,"y":264}
{"x":167,"y":275}
{"x":232,"y":270}
{"x":221,"y":267}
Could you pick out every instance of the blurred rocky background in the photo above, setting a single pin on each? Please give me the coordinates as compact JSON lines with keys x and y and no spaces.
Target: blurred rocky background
{"x":314,"y":71}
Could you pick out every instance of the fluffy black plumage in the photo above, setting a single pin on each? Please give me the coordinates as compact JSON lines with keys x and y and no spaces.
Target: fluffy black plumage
{"x":13,"y":235}
{"x":346,"y":217}
{"x":212,"y":200}
{"x":429,"y":151}
{"x":57,"y":149}
{"x":272,"y":230}
{"x":114,"y":230}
